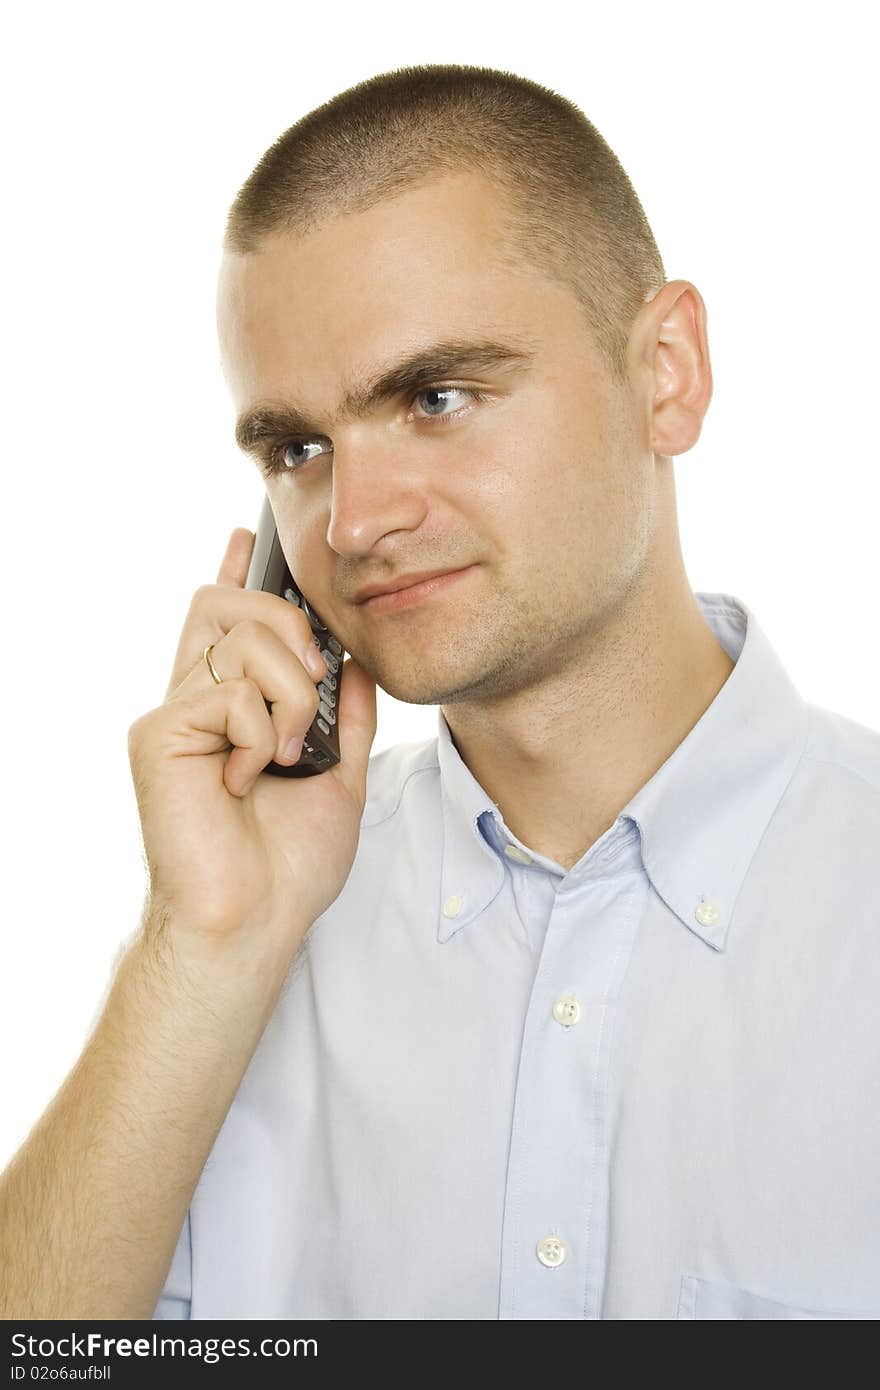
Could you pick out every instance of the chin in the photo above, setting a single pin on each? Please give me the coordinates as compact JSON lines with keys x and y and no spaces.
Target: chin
{"x":433,"y":693}
{"x":410,"y":690}
{"x":422,"y":682}
{"x":413,"y":693}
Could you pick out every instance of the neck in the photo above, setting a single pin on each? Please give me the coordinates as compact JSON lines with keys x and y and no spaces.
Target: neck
{"x":562,"y":759}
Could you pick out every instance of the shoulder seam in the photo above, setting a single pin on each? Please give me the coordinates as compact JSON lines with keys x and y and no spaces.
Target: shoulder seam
{"x":843,"y":767}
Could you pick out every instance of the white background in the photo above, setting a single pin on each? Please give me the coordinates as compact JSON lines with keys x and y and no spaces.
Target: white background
{"x":750,"y":133}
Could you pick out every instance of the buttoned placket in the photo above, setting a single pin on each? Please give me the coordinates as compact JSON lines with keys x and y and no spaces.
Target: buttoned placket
{"x":554,"y":1244}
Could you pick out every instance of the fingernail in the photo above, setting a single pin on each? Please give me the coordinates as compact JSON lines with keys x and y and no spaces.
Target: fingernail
{"x":293,"y":749}
{"x":317,"y":664}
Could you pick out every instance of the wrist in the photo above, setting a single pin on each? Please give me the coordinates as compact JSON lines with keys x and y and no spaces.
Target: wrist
{"x":253,"y":957}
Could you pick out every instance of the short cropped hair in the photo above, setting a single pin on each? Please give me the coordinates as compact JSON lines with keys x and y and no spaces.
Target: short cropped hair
{"x":573,"y":213}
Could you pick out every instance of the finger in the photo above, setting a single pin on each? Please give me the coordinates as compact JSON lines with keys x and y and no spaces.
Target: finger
{"x":210,"y":720}
{"x":254,"y":735}
{"x":236,"y":562}
{"x":253,"y":650}
{"x":216,"y":609}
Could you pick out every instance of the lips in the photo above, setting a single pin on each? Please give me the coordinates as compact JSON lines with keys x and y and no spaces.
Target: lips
{"x":414,"y":593}
{"x":403,"y":581}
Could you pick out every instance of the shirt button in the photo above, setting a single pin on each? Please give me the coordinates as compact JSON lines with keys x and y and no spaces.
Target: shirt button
{"x":566,"y":1010}
{"x":551,"y":1251}
{"x":514,"y":852}
{"x":707,"y":914}
{"x":452,"y":906}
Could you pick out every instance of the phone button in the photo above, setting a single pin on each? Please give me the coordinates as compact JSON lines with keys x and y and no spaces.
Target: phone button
{"x":324,"y":708}
{"x":325,"y":728}
{"x":335,"y":646}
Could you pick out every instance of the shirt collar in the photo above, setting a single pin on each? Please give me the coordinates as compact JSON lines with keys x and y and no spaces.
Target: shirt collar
{"x":700,"y":817}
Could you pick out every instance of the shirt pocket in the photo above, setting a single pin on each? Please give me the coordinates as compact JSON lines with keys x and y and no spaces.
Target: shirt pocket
{"x":704,"y":1298}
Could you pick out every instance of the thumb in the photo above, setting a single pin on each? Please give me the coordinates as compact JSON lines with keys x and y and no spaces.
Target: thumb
{"x":357,"y":723}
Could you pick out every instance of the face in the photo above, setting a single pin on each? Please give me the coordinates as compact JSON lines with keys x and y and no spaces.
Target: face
{"x":533,"y":474}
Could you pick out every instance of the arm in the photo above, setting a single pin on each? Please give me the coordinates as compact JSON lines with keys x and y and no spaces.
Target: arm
{"x":92,"y":1204}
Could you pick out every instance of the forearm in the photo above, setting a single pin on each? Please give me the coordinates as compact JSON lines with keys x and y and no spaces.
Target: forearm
{"x":92,"y":1204}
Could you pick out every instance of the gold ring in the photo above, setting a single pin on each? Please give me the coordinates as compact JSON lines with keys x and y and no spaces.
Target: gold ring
{"x":207,"y":655}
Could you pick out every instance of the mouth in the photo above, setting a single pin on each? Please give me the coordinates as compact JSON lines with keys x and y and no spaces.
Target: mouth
{"x":413,"y":593}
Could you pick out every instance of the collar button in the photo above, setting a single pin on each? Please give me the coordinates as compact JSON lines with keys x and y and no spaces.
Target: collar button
{"x":707,"y":913}
{"x":514,"y":852}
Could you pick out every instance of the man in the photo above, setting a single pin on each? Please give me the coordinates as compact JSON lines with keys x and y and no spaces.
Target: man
{"x":589,"y":1031}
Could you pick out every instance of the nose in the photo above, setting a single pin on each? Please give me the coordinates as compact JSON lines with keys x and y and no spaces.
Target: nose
{"x":377,"y":489}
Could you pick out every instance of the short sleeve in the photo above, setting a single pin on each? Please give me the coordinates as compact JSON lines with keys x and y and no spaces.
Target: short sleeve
{"x":175,"y":1300}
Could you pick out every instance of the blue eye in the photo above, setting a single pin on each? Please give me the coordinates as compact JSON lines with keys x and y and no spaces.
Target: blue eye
{"x":436,"y":397}
{"x":300,"y":451}
{"x":289,"y":456}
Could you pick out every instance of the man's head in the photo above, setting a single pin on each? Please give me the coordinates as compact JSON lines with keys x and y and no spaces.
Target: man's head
{"x":476,"y":221}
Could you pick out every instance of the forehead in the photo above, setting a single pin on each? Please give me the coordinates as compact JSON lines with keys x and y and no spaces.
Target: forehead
{"x":359,"y":289}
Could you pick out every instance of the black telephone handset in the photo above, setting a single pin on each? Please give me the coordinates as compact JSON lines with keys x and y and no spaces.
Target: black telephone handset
{"x":268,"y":570}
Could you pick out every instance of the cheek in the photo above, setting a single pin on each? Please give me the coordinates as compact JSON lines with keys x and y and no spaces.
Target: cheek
{"x":563,"y":492}
{"x":301,"y":542}
{"x":547,"y":472}
{"x":515,"y":462}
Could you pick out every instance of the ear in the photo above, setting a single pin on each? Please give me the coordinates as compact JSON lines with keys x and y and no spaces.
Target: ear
{"x":673,"y":348}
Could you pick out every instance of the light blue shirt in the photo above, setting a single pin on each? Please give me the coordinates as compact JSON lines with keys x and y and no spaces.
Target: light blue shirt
{"x":647,"y":1087}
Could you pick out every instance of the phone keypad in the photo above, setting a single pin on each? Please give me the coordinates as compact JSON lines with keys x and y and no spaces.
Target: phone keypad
{"x":331,"y":652}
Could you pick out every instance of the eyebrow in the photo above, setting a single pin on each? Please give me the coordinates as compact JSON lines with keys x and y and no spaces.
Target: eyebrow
{"x":270,"y":420}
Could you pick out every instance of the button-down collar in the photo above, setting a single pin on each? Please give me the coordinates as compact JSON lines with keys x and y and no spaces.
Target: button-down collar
{"x":700,"y":817}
